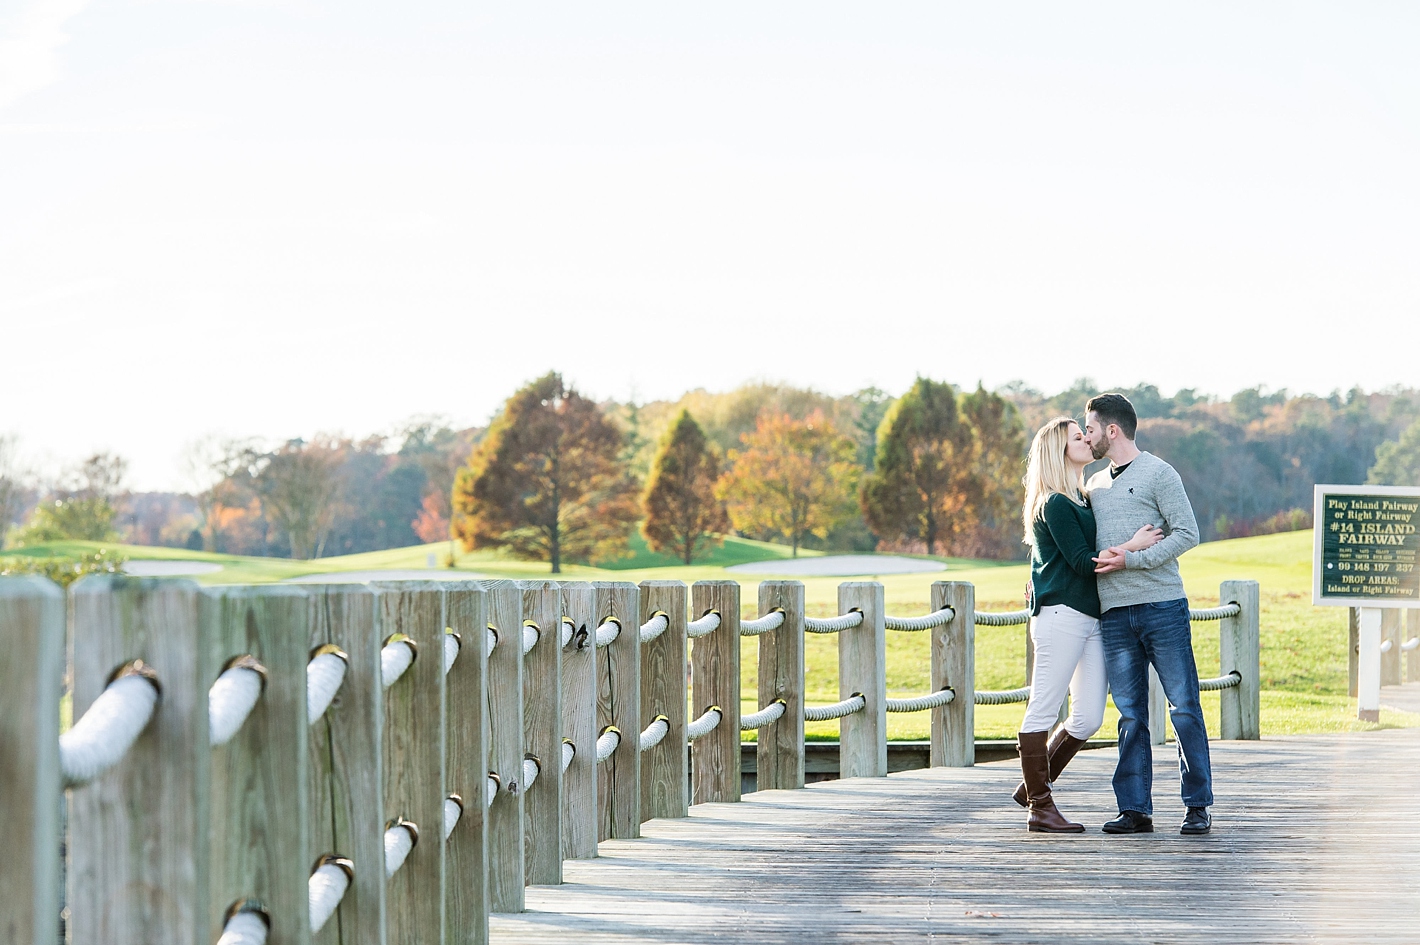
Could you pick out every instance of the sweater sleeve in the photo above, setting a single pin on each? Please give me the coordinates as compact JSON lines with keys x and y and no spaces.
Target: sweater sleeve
{"x":1065,"y":531}
{"x":1177,"y":513}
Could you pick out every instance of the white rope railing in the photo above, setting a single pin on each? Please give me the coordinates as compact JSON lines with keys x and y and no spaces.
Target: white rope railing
{"x":704,"y":725}
{"x":833,"y":624}
{"x":531,"y":634}
{"x":1386,"y":646}
{"x":1001,"y":696}
{"x":912,"y":624}
{"x":921,"y":703}
{"x":453,"y":813}
{"x":490,"y":639}
{"x":1410,"y":644}
{"x":770,"y":713}
{"x":232,"y":697}
{"x":655,"y":626}
{"x":569,"y":751}
{"x":827,"y":713}
{"x":246,"y":924}
{"x":327,"y":886}
{"x":705,"y":625}
{"x":655,"y":732}
{"x":396,"y":656}
{"x":1007,"y":619}
{"x":400,"y":838}
{"x":490,"y":791}
{"x":101,"y":738}
{"x":1215,"y":613}
{"x":1220,"y":682}
{"x":452,"y":644}
{"x":608,"y":742}
{"x":569,"y":630}
{"x":607,"y":631}
{"x":770,"y":621}
{"x":325,"y":674}
{"x":532,"y":767}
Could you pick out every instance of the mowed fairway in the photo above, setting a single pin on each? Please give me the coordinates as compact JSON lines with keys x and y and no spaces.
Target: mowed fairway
{"x":1303,"y":647}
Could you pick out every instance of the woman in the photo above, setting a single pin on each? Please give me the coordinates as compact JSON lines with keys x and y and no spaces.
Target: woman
{"x":1060,"y":528}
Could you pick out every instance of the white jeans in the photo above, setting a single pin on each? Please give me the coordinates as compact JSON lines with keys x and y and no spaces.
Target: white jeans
{"x":1068,"y":657}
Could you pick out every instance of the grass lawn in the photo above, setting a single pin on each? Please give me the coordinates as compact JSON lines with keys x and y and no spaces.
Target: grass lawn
{"x":1303,"y":647}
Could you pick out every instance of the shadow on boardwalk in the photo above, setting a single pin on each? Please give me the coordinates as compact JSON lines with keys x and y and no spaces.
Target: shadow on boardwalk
{"x":1316,"y":839}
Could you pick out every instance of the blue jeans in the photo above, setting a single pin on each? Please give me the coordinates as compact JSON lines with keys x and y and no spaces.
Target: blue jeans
{"x":1134,"y":637}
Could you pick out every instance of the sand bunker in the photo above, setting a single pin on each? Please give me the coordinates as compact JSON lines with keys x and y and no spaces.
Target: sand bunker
{"x":169,"y":568}
{"x":841,"y":566}
{"x":361,"y":577}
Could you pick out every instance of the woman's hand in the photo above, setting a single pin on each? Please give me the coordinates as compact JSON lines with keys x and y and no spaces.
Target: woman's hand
{"x":1146,"y":537}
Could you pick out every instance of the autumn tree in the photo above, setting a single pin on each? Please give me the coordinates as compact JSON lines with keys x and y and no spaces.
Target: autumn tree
{"x":793,"y":478}
{"x":83,"y":506}
{"x":683,"y":515}
{"x":925,"y":477}
{"x":299,"y":485}
{"x":547,"y":482}
{"x":998,"y":465}
{"x":1398,"y":461}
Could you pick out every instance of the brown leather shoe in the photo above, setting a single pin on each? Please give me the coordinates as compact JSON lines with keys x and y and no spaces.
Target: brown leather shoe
{"x":1063,"y":747}
{"x":1035,"y":766}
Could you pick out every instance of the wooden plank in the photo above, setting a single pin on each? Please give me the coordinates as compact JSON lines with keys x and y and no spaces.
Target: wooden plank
{"x":467,"y":613}
{"x":715,"y":681}
{"x":542,"y":732}
{"x":579,"y":722}
{"x":505,"y":733}
{"x":862,"y":668}
{"x":664,"y":788}
{"x":32,"y":637}
{"x":1392,"y":620}
{"x":346,"y":761}
{"x":414,"y":737}
{"x":954,"y":665}
{"x":619,"y":706}
{"x":260,"y":806}
{"x":779,"y":755}
{"x":138,"y":838}
{"x":1238,"y":649}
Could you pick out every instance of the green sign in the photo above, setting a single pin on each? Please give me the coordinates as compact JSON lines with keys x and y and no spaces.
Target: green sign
{"x":1366,"y":546}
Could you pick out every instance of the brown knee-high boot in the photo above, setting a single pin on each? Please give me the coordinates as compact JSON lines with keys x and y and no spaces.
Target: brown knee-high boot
{"x":1063,"y":747}
{"x":1035,"y":765}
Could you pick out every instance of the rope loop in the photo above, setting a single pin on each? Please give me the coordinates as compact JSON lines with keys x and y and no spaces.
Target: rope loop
{"x":912,"y":624}
{"x":655,"y":732}
{"x":246,"y":922}
{"x":233,"y":696}
{"x":921,"y":703}
{"x":709,"y":622}
{"x":608,"y":742}
{"x":1220,"y":682}
{"x":325,"y":674}
{"x":453,"y":643}
{"x":770,"y":713}
{"x":531,"y":634}
{"x":607,"y":631}
{"x":1010,"y":618}
{"x":1216,"y":613}
{"x":1001,"y":696}
{"x":854,"y":703}
{"x":328,"y":884}
{"x":101,"y":738}
{"x":397,"y":654}
{"x":837,"y":624}
{"x":770,"y":621}
{"x":658,"y":624}
{"x":706,"y":724}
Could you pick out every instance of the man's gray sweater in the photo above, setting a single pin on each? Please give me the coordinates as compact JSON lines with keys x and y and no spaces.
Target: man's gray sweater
{"x":1148,"y":492}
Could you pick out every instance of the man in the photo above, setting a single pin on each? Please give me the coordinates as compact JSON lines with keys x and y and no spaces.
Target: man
{"x":1144,"y":615}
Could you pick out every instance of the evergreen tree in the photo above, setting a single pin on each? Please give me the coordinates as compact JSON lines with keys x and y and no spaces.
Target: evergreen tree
{"x":683,"y":514}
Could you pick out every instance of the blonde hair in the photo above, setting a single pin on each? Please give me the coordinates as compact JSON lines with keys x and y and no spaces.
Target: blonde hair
{"x":1047,"y":473}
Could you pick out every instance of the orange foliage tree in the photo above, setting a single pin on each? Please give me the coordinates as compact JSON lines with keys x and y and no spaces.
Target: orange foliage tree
{"x":682,"y":512}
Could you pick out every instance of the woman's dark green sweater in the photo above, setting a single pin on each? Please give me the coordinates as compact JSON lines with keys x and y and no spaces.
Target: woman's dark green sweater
{"x":1062,"y":569}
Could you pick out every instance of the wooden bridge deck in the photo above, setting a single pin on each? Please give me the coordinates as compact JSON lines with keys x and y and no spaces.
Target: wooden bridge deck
{"x":1316,"y":839}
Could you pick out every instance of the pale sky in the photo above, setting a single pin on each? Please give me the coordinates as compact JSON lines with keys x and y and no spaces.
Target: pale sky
{"x":276,"y":218}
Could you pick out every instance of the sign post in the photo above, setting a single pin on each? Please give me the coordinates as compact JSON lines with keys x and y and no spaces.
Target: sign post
{"x":1366,"y":554}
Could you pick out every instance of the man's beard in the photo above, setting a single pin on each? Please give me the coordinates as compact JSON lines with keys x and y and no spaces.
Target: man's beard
{"x":1099,"y":450}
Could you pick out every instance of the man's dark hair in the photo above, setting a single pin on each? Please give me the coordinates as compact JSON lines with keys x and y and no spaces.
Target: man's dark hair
{"x":1114,"y":408}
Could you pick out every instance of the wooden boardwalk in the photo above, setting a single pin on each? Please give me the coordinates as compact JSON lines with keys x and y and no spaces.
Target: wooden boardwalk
{"x":1316,"y":839}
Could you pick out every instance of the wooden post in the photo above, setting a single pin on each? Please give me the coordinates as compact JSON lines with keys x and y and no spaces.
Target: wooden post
{"x":32,"y":636}
{"x":579,"y":722}
{"x":414,"y":735}
{"x":138,"y":837}
{"x":1368,"y":665}
{"x":715,"y":677}
{"x":1353,"y":646}
{"x":1158,"y":709}
{"x":779,"y":754}
{"x":260,"y":806}
{"x":862,"y":668}
{"x":467,"y":613}
{"x":664,"y":788}
{"x":954,"y":665}
{"x":1412,"y":658}
{"x":619,"y":705}
{"x":1238,"y":650}
{"x":1392,"y":619}
{"x":506,"y":873}
{"x":542,"y":733}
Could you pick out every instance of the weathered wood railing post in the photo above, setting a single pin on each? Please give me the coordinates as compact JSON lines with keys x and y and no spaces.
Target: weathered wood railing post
{"x":1158,"y":709}
{"x":139,"y":833}
{"x":954,"y":665}
{"x":579,"y":722}
{"x":506,"y":873}
{"x":664,"y":791}
{"x":346,"y":745}
{"x":715,"y":677}
{"x":260,"y":806}
{"x":1391,"y":622}
{"x":467,"y":614}
{"x":779,"y":753}
{"x":414,"y":736}
{"x":862,"y":668}
{"x":619,"y":707}
{"x":542,"y":731}
{"x":32,"y":637}
{"x":1238,"y":652}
